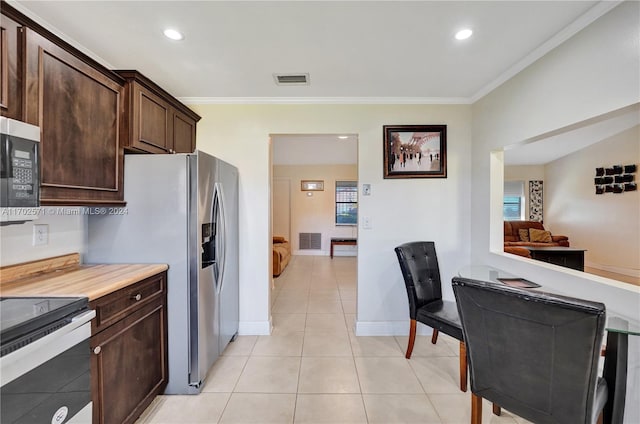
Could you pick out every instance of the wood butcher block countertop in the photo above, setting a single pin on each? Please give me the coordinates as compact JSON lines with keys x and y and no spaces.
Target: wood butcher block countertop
{"x":44,"y":278}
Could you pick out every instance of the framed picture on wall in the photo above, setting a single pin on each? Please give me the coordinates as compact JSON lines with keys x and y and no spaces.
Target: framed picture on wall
{"x":312,"y":185}
{"x":415,"y":151}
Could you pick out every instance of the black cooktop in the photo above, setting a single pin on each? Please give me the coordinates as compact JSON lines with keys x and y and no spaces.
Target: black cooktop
{"x":26,"y":319}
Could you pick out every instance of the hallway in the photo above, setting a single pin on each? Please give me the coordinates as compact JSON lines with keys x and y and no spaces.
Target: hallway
{"x":313,"y":369}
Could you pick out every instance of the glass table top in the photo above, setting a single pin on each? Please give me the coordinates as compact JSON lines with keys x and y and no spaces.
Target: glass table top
{"x":615,"y":323}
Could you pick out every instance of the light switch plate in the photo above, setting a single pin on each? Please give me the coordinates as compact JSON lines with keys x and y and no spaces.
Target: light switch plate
{"x":40,"y":234}
{"x":366,"y":189}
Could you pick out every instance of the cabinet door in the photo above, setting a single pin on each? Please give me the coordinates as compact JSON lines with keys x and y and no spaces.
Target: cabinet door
{"x":184,"y":133}
{"x":77,"y":109}
{"x":129,"y":365}
{"x":10,"y":75}
{"x":151,"y":121}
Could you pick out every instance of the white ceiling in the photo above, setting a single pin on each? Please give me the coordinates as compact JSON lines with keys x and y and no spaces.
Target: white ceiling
{"x":402,"y":51}
{"x":559,"y":143}
{"x":315,"y":149}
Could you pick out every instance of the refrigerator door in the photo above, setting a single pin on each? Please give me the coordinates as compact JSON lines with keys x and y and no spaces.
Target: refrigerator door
{"x":204,"y":305}
{"x":227,"y":181}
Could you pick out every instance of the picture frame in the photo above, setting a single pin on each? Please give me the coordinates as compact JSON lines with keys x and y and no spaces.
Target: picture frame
{"x":312,"y":185}
{"x":415,"y":151}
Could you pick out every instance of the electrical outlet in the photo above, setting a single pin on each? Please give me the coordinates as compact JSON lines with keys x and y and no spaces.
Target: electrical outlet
{"x":366,"y":222}
{"x":40,"y":234}
{"x":366,"y":189}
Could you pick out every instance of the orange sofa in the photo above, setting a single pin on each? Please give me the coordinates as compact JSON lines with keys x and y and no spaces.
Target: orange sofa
{"x":514,"y":244}
{"x":281,"y":254}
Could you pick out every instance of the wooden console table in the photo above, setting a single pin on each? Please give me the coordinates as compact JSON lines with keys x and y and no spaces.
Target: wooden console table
{"x":342,"y":241}
{"x":563,"y":256}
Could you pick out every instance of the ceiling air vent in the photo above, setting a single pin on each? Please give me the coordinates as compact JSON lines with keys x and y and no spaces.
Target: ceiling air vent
{"x":291,"y":79}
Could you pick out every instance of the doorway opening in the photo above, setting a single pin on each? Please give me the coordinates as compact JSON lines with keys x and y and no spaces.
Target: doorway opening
{"x":314,"y":199}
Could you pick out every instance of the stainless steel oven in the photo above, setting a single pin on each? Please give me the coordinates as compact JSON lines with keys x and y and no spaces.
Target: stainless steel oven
{"x":45,"y":360}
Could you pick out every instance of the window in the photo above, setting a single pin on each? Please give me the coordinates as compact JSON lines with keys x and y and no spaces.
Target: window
{"x":513,"y":201}
{"x":346,"y":202}
{"x":512,"y":208}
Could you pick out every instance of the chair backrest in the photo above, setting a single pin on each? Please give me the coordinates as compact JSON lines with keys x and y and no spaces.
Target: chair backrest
{"x":419,"y":265}
{"x":533,"y":353}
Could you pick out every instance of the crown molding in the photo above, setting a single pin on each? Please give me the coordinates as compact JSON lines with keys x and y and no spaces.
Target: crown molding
{"x":327,"y":100}
{"x":55,"y":31}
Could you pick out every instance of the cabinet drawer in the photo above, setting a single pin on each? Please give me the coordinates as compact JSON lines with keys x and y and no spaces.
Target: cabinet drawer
{"x":117,"y":305}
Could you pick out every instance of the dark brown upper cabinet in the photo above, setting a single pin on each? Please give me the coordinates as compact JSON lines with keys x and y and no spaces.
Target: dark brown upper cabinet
{"x":77,"y":108}
{"x":76,"y":102}
{"x":156,"y":122}
{"x":10,"y":75}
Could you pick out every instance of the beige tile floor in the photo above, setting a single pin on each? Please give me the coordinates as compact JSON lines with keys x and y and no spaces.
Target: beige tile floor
{"x":314,"y":369}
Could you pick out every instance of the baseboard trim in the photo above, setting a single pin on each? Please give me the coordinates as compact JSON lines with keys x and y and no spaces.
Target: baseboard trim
{"x":325,"y":253}
{"x":254,"y":328}
{"x":310,"y":252}
{"x":618,"y":270}
{"x":389,"y":328}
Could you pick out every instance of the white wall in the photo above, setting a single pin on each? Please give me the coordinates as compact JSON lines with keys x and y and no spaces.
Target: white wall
{"x":594,"y":72}
{"x":67,"y":234}
{"x":607,"y":225}
{"x":315,"y":213}
{"x":400,"y":210}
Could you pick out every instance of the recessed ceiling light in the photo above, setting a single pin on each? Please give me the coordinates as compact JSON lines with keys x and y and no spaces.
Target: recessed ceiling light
{"x":343,"y":137}
{"x":173,"y":34}
{"x":463,"y":34}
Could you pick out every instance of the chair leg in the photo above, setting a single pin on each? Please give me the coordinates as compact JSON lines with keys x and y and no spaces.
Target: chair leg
{"x":434,"y":336}
{"x":497,"y":410}
{"x":412,"y":338}
{"x":463,"y":367}
{"x":476,"y":409}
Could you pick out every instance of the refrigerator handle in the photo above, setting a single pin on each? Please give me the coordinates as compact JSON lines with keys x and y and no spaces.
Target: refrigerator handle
{"x":221,"y":239}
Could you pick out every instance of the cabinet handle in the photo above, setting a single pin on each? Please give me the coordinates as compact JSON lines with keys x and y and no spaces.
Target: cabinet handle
{"x":136,"y":297}
{"x":97,"y":350}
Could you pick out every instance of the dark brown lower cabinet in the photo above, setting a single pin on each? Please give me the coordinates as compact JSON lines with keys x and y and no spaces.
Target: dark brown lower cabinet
{"x":129,"y":343}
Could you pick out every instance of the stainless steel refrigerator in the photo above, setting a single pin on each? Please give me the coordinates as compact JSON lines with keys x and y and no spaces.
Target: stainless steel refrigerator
{"x":181,"y":210}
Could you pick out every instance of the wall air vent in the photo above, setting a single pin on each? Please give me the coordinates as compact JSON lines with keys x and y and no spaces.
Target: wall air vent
{"x":309,"y":241}
{"x":291,"y":79}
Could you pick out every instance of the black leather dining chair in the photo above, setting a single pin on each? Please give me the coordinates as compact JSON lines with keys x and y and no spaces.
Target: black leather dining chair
{"x":419,"y":265}
{"x":533,"y":353}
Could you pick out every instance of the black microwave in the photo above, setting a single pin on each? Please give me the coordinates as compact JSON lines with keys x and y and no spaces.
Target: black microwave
{"x":19,"y":164}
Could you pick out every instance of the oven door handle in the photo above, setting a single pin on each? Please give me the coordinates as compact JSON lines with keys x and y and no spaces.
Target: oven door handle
{"x":84,"y":317}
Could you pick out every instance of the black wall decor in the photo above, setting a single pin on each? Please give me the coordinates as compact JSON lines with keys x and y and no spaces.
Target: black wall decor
{"x":615,"y":179}
{"x":624,"y":178}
